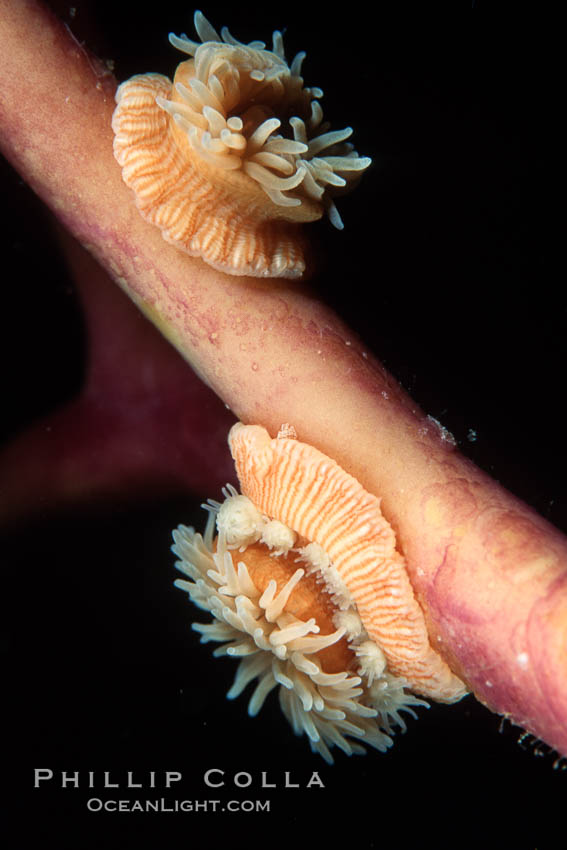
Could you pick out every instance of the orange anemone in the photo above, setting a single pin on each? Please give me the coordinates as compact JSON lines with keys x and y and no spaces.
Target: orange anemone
{"x":231,"y":158}
{"x":306,"y":587}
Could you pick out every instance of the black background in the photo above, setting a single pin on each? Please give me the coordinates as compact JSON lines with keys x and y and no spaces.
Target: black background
{"x":443,"y":269}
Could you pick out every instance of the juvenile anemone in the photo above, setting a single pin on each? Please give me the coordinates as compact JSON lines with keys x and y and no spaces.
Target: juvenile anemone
{"x":306,"y":587}
{"x":231,"y":158}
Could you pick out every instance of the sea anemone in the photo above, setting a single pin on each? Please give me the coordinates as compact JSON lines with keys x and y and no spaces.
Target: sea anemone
{"x":229,"y":159}
{"x":306,"y":587}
